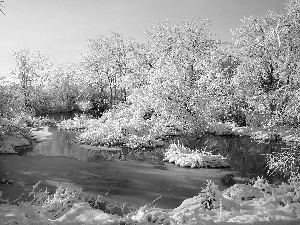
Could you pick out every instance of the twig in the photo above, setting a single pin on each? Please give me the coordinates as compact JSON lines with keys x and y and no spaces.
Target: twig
{"x":155,"y":200}
{"x":1,"y":6}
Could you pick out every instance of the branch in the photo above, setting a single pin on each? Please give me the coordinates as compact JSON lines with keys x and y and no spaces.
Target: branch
{"x":276,"y":31}
{"x":1,"y":6}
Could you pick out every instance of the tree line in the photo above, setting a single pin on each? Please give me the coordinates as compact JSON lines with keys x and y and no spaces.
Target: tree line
{"x":180,"y":74}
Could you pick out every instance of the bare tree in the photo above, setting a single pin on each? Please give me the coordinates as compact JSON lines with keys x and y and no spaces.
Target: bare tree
{"x":1,"y":6}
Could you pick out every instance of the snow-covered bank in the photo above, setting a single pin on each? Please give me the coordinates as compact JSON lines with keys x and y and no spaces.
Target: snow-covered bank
{"x":255,"y":204}
{"x":9,"y":142}
{"x":12,"y":135}
{"x":287,"y":134}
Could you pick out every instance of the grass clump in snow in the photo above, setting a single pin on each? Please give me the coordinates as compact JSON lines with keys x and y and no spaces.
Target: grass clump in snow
{"x":184,"y":157}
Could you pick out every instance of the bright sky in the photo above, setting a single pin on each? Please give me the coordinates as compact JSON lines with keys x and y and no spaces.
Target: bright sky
{"x":60,"y":28}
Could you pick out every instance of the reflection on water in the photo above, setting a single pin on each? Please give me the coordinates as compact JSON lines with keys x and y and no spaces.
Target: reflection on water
{"x":61,"y":143}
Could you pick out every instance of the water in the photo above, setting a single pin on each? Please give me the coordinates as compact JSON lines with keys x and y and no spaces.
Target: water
{"x":244,"y":154}
{"x":136,"y":177}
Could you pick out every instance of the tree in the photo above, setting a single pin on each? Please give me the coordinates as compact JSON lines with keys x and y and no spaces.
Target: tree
{"x":268,"y":48}
{"x":186,"y":45}
{"x":11,"y":102}
{"x":217,"y":85}
{"x":180,"y":56}
{"x":31,"y":71}
{"x":107,"y":61}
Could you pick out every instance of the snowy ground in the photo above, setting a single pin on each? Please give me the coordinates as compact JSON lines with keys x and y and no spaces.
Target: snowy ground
{"x":255,"y":204}
{"x":9,"y":142}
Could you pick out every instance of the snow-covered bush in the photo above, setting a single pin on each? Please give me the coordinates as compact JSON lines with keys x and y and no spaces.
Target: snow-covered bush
{"x":122,"y":125}
{"x":76,"y":123}
{"x":285,"y":162}
{"x":184,"y":157}
{"x":243,"y":192}
{"x":84,"y":106}
{"x":13,"y":128}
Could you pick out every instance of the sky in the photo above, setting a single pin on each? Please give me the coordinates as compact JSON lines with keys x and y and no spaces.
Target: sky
{"x":61,"y":28}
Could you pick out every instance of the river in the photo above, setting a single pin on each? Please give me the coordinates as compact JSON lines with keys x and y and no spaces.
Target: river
{"x":137,"y":178}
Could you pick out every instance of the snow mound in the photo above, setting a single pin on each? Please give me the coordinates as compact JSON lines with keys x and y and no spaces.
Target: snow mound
{"x":185,"y":157}
{"x":243,"y":192}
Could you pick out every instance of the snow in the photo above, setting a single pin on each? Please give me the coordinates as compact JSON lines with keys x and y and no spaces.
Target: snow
{"x":287,"y":134}
{"x":9,"y":142}
{"x":257,"y":204}
{"x":41,"y":133}
{"x":185,"y":157}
